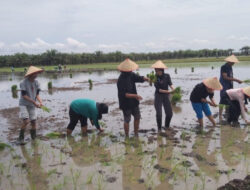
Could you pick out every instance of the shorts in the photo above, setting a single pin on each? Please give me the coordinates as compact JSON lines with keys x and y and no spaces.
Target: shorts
{"x":74,"y":118}
{"x":134,"y":111}
{"x":27,"y":112}
{"x":199,"y":107}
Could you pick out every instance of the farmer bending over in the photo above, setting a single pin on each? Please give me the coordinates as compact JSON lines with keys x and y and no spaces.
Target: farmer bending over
{"x":30,"y":89}
{"x":82,"y":109}
{"x":200,"y":103}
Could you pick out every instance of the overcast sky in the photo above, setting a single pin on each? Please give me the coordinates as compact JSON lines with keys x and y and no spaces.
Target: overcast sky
{"x":33,"y":26}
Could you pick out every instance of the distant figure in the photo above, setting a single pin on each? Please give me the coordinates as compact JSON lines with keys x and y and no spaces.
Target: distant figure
{"x":12,"y":69}
{"x":198,"y":98}
{"x":237,"y":99}
{"x":162,"y":84}
{"x":65,"y":67}
{"x":127,"y":94}
{"x":226,"y":79}
{"x":82,"y":109}
{"x":30,"y":89}
{"x":60,"y":68}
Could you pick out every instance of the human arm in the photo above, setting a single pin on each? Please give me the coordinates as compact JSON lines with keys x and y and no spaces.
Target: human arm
{"x":168,"y":91}
{"x":225,"y":77}
{"x":135,"y":96}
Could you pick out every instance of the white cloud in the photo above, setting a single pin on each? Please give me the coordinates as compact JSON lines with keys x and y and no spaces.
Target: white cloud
{"x":74,"y":43}
{"x":237,"y":38}
{"x":1,"y":44}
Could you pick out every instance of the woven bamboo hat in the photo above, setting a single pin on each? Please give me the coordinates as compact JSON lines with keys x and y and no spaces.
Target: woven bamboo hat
{"x":232,"y":59}
{"x":127,"y":66}
{"x":213,"y":83}
{"x":246,"y":91}
{"x":32,"y":70}
{"x":159,"y":65}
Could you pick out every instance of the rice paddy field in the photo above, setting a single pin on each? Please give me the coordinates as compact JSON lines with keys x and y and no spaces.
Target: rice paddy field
{"x":180,"y":158}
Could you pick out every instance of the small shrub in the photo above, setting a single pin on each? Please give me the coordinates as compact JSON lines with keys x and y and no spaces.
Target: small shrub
{"x":50,"y":85}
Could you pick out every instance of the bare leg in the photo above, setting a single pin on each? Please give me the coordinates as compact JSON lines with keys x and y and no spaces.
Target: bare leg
{"x":126,"y":129}
{"x":200,"y":122}
{"x":69,"y":132}
{"x":84,"y":130}
{"x":211,"y":119}
{"x":220,"y":112}
{"x":25,"y":123}
{"x":136,"y":126}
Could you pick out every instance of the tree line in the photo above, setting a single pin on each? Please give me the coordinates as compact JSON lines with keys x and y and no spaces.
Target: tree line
{"x":53,"y":57}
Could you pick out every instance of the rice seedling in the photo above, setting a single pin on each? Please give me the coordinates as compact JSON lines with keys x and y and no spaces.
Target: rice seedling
{"x":70,"y":75}
{"x":46,"y":109}
{"x":192,"y":69}
{"x":14,"y":91}
{"x":75,"y":175}
{"x":176,"y":96}
{"x":247,"y":81}
{"x":4,"y":145}
{"x":175,"y":70}
{"x":100,"y":182}
{"x":90,"y":84}
{"x":89,"y":178}
{"x":51,"y":172}
{"x":53,"y":135}
{"x":152,"y":78}
{"x":50,"y":85}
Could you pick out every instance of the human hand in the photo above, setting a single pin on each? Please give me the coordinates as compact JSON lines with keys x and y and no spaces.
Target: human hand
{"x":246,"y":110}
{"x":138,"y":97}
{"x":37,"y":105}
{"x":100,"y":130}
{"x":239,"y":81}
{"x":146,"y":79}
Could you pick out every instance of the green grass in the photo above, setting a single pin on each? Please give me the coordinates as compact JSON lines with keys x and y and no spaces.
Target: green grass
{"x":142,"y":64}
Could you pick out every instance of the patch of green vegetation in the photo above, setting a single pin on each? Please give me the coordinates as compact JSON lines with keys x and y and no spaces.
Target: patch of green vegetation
{"x":46,"y":109}
{"x":4,"y":145}
{"x":176,"y":98}
{"x":53,"y":135}
{"x":14,"y":88}
{"x":247,"y":81}
{"x":152,"y":78}
{"x":50,"y":85}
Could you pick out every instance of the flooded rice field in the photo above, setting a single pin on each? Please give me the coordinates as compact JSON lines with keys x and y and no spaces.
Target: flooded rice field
{"x":178,"y":159}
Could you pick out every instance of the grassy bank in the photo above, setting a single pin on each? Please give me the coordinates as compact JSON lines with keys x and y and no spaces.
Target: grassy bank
{"x":142,"y":64}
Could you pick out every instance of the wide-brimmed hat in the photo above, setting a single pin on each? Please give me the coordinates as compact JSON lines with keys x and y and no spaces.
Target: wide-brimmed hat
{"x":246,"y":91}
{"x":212,"y":83}
{"x":232,"y":59}
{"x":159,"y":65}
{"x":102,"y":109}
{"x":33,"y":70}
{"x":127,"y":66}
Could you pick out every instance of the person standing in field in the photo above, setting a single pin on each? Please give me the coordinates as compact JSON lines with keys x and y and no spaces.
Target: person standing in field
{"x":198,"y":98}
{"x":162,"y":84}
{"x":227,"y":79}
{"x":29,"y":101}
{"x":127,"y":94}
{"x":82,"y":109}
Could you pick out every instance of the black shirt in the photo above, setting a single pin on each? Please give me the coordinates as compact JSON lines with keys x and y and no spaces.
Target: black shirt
{"x":126,"y":84}
{"x":162,"y":82}
{"x":227,"y":84}
{"x":199,"y":92}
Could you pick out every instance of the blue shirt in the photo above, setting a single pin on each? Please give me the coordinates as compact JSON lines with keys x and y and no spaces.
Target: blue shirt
{"x":87,"y":108}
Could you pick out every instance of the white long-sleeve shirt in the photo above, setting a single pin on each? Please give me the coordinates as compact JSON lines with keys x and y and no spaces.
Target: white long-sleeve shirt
{"x":238,"y":94}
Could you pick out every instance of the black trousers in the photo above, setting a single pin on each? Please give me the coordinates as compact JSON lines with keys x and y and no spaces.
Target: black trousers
{"x":163,"y":100}
{"x":234,"y":111}
{"x":74,"y":118}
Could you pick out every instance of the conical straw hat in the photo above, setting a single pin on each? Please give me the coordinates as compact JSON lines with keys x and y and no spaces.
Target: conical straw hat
{"x":127,"y":66}
{"x":232,"y":59}
{"x":159,"y":65}
{"x":212,"y":83}
{"x":246,"y":91}
{"x":33,"y":70}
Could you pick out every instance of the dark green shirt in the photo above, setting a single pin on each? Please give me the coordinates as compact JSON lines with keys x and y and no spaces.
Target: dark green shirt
{"x":87,"y":108}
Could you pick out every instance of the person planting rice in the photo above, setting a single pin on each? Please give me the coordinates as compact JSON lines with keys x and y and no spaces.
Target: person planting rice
{"x":127,"y":94}
{"x":162,"y":84}
{"x":227,"y":79}
{"x":198,"y":98}
{"x":29,"y":101}
{"x":82,"y":109}
{"x":237,"y":99}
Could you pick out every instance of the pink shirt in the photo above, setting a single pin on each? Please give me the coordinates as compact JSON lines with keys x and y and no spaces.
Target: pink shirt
{"x":237,"y":94}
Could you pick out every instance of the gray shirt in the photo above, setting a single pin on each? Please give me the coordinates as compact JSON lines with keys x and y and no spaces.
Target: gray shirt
{"x":31,"y":91}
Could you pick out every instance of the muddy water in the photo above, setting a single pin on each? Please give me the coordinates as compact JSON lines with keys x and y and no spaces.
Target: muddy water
{"x":178,"y":159}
